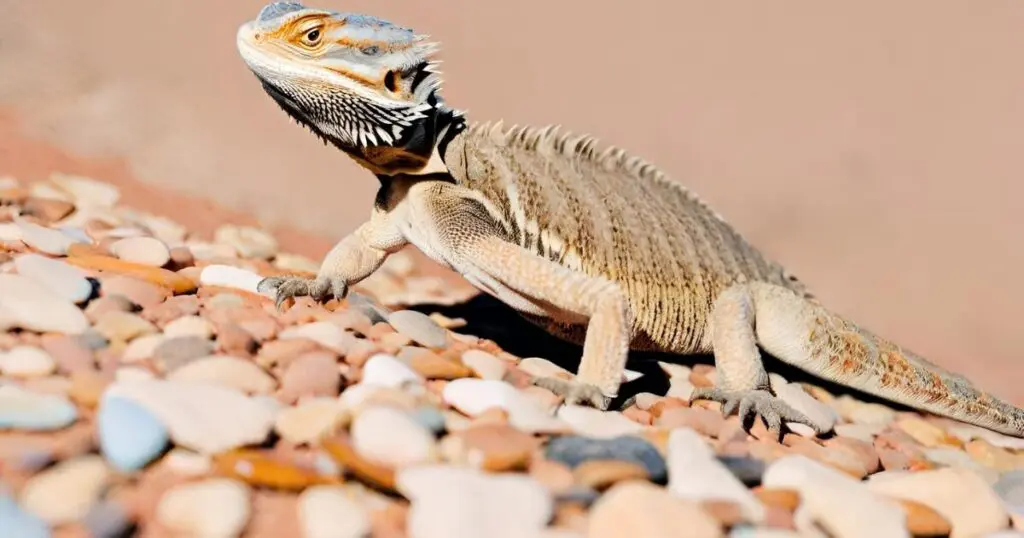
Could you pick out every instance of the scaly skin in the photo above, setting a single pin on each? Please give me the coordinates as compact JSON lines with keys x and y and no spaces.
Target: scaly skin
{"x":599,"y":248}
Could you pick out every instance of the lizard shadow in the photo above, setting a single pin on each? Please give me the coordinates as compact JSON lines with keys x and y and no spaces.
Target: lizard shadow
{"x":489,"y":318}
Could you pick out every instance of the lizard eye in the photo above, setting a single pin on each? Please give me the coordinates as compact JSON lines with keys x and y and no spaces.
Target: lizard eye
{"x":371,"y":50}
{"x":312,"y":37}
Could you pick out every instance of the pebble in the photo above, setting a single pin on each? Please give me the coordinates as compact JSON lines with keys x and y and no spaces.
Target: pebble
{"x":387,"y":371}
{"x":26,"y":361}
{"x":694,"y":473}
{"x":484,"y":365}
{"x":418,"y":326}
{"x":173,"y":353}
{"x":107,"y":519}
{"x":21,"y":409}
{"x":1010,"y":488}
{"x":311,"y":374}
{"x":573,"y":450}
{"x":229,"y":277}
{"x":324,"y":333}
{"x":200,"y":416}
{"x":449,"y":501}
{"x":958,"y":494}
{"x":143,"y":347}
{"x":747,"y":470}
{"x":46,"y":240}
{"x":18,"y":523}
{"x":67,"y":491}
{"x":794,"y":395}
{"x":332,"y":512}
{"x":176,"y":282}
{"x":67,"y":281}
{"x":130,"y":436}
{"x":391,"y":437}
{"x":212,"y":508}
{"x":596,"y":423}
{"x":636,"y":508}
{"x":27,"y":304}
{"x":310,"y":420}
{"x":493,"y":447}
{"x":138,"y":291}
{"x":475,"y":396}
{"x":233,"y":372}
{"x":835,"y":500}
{"x":142,"y":250}
{"x":123,"y":326}
{"x":248,"y":241}
{"x":189,"y":326}
{"x":87,"y":191}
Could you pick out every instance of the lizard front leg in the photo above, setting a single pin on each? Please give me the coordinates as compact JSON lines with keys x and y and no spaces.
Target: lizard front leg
{"x":740,"y":317}
{"x":351,"y":260}
{"x":471,"y":241}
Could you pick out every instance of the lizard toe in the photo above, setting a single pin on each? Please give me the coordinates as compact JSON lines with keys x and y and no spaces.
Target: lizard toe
{"x":574,"y":392}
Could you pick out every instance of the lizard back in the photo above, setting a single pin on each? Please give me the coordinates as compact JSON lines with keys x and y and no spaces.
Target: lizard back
{"x":614,"y":215}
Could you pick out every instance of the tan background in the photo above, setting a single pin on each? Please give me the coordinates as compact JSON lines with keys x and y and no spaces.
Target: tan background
{"x":875,"y":147}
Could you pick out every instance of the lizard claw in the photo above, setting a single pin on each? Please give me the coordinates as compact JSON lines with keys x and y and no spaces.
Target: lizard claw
{"x":320,"y":289}
{"x":574,"y":392}
{"x":753,"y":403}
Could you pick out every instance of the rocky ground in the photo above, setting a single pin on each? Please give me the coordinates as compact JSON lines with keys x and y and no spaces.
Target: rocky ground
{"x":147,"y":389}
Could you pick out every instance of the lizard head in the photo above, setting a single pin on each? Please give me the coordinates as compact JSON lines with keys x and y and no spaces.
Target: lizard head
{"x":367,"y":86}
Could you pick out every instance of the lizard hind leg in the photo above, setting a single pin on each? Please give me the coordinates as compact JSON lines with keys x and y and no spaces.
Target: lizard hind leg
{"x":743,"y":384}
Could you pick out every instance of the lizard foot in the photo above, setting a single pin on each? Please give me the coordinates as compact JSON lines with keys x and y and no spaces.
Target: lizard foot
{"x":574,"y":392}
{"x":320,"y":289}
{"x":754,"y":403}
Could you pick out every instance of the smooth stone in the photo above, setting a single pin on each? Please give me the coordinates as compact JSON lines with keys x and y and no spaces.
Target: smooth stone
{"x":448,"y":501}
{"x":21,"y":409}
{"x":203,"y":417}
{"x":636,"y":508}
{"x":573,"y":450}
{"x":233,"y":372}
{"x":141,"y":292}
{"x":229,"y":277}
{"x":746,"y":470}
{"x":213,"y":508}
{"x":418,"y":326}
{"x":87,"y":191}
{"x":45,"y":239}
{"x":592,"y":422}
{"x":189,"y":326}
{"x":27,"y":304}
{"x":10,"y":231}
{"x":387,"y":371}
{"x":67,"y":491}
{"x":324,"y":333}
{"x":132,"y":373}
{"x":123,"y":326}
{"x":67,"y":281}
{"x":310,"y":420}
{"x":142,"y":348}
{"x":475,"y":396}
{"x":332,"y":512}
{"x":834,"y":500}
{"x":143,"y":250}
{"x":961,"y":496}
{"x":173,"y":353}
{"x":17,"y":523}
{"x":311,"y":374}
{"x":248,"y":241}
{"x":391,"y":437}
{"x":129,"y":436}
{"x":484,"y":365}
{"x":26,"y":361}
{"x":430,"y":418}
{"x":794,"y":395}
{"x":694,"y":473}
{"x":1010,"y":488}
{"x":108,"y":519}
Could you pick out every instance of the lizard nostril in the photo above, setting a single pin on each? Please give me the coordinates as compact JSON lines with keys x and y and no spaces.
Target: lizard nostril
{"x":389,"y":81}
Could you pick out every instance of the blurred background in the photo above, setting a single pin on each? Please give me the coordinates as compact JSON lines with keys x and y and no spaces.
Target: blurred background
{"x":876,"y":148}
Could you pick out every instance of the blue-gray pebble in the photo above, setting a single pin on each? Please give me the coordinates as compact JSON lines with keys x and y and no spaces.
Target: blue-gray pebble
{"x":747,"y":470}
{"x":15,"y":522}
{"x":130,"y":436}
{"x":573,"y":450}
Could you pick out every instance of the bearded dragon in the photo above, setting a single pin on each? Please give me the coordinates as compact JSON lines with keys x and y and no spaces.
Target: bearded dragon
{"x":593,"y":244}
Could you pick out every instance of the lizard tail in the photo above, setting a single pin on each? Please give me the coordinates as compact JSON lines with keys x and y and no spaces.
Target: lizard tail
{"x":880,"y":367}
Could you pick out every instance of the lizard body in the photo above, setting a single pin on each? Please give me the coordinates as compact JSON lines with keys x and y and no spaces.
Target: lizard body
{"x":596,"y":246}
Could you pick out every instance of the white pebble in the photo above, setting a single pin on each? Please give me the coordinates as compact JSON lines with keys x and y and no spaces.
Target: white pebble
{"x":324,"y":333}
{"x":189,"y":326}
{"x":391,"y":437}
{"x":694,"y":473}
{"x":387,"y":371}
{"x":66,"y":491}
{"x":45,"y":239}
{"x":592,"y":422}
{"x":213,"y":508}
{"x":230,"y":277}
{"x":62,"y":278}
{"x":29,"y":305}
{"x":26,"y":361}
{"x":331,"y":512}
{"x":143,"y":250}
{"x":241,"y":374}
{"x":474,"y":396}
